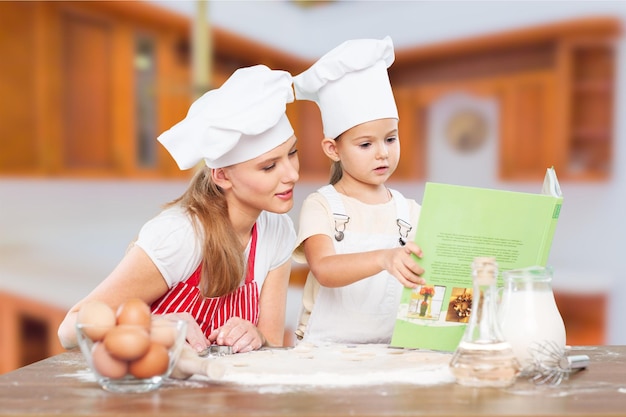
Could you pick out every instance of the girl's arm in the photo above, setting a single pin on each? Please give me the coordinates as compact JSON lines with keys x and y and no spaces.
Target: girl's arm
{"x":333,"y":270}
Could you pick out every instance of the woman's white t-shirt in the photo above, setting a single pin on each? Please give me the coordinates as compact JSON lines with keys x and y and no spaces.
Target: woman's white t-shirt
{"x":171,"y":243}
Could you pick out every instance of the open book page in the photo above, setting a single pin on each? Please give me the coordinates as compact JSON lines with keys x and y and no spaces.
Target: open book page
{"x":551,"y":184}
{"x":456,"y":225}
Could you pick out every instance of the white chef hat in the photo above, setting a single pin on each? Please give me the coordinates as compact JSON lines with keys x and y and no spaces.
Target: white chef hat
{"x":350,"y":84}
{"x":239,"y":121}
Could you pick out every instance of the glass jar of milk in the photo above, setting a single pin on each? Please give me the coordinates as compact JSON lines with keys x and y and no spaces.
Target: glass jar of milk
{"x":528,"y":313}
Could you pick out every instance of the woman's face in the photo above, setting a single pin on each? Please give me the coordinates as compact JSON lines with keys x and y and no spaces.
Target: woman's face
{"x":370,"y":152}
{"x":265,"y":182}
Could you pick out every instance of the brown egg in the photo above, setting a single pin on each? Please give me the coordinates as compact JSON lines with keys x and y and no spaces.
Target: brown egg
{"x":153,"y":363}
{"x":105,"y":364}
{"x":163,"y":332}
{"x":135,"y":312}
{"x":97,"y":317}
{"x":127,"y":342}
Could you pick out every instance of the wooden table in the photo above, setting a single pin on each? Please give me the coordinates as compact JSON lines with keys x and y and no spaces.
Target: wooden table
{"x":51,"y":387}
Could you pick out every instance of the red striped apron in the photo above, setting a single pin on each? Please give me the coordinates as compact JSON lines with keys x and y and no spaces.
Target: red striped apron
{"x":212,"y":313}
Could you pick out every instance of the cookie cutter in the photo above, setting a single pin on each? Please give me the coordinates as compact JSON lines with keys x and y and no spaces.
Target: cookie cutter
{"x":216,"y":350}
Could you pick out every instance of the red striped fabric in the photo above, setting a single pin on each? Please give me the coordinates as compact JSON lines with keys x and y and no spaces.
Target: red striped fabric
{"x":212,"y":313}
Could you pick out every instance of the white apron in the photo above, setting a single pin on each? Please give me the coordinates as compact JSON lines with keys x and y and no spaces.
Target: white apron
{"x":364,"y":311}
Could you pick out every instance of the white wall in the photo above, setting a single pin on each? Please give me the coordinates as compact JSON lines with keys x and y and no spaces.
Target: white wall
{"x":312,"y":31}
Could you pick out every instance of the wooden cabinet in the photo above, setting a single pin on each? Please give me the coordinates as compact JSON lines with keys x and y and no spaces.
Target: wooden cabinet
{"x":527,"y":138}
{"x":585,"y":317}
{"x":589,"y":64}
{"x":554,"y":86}
{"x":411,"y":113}
{"x":18,"y":127}
{"x":89,"y":86}
{"x":525,"y":129}
{"x":28,"y":331}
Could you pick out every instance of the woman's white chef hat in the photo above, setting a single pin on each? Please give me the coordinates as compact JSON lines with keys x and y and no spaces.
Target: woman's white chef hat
{"x":239,"y":121}
{"x":350,"y":84}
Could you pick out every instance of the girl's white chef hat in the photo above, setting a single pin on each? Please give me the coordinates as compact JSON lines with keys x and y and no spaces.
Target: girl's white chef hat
{"x":350,"y":84}
{"x":239,"y":121}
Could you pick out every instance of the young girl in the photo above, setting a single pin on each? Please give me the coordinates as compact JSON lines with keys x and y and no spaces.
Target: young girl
{"x":219,"y":256}
{"x":355,"y":234}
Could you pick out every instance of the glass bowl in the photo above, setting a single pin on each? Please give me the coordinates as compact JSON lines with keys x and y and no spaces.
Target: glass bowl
{"x":130,"y":358}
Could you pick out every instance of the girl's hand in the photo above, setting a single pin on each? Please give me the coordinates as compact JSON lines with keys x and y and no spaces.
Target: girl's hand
{"x":195,"y":335}
{"x":399,"y":262}
{"x":241,"y":334}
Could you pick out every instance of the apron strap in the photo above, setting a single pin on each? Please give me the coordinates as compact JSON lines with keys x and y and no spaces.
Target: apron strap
{"x":336,"y":207}
{"x":402,"y":214}
{"x":251,"y":256}
{"x":211,"y":313}
{"x":402,"y":206}
{"x":341,"y":218}
{"x":334,"y":199}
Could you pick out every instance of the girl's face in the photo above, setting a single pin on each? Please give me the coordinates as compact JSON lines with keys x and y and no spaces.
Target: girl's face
{"x":265,"y":182}
{"x":370,"y":152}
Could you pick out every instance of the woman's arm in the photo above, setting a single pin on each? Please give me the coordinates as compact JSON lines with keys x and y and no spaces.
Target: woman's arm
{"x":273,"y":304}
{"x":135,"y":276}
{"x":244,"y":336}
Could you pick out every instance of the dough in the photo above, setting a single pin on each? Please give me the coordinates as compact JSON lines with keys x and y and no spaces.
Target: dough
{"x":336,"y":365}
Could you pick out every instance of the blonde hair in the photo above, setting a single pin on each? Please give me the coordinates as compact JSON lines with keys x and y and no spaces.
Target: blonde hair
{"x":336,"y":172}
{"x":222,"y":257}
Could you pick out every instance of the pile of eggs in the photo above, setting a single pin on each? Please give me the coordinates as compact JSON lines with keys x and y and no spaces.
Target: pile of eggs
{"x":127,"y":341}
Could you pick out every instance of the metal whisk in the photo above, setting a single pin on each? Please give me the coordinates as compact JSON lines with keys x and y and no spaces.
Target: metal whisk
{"x":551,"y":365}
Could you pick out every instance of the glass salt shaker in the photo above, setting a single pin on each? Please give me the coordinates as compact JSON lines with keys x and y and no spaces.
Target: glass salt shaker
{"x":483,"y":357}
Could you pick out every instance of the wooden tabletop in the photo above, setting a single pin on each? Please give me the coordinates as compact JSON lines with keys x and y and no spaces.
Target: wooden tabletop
{"x":61,"y":385}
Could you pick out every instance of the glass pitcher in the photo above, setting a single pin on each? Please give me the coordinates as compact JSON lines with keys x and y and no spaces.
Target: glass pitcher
{"x":528,"y":312}
{"x":483,"y":358}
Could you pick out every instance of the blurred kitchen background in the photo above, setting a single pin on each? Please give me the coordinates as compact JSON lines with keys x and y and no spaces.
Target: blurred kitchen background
{"x":490,"y":94}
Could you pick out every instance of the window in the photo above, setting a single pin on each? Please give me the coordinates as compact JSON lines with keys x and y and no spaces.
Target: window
{"x":145,"y":102}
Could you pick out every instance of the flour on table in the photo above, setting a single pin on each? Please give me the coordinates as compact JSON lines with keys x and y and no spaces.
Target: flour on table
{"x":336,"y":365}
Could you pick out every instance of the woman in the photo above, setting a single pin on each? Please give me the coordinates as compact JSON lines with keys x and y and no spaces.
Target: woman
{"x":219,"y":256}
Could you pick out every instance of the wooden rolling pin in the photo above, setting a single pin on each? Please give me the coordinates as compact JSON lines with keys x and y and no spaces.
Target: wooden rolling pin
{"x":189,"y":363}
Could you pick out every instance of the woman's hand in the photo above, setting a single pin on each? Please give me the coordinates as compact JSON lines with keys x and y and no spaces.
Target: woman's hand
{"x":399,"y":262}
{"x":195,"y":335}
{"x":241,"y":334}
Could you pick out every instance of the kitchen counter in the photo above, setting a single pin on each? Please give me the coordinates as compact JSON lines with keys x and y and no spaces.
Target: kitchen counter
{"x":62,"y":385}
